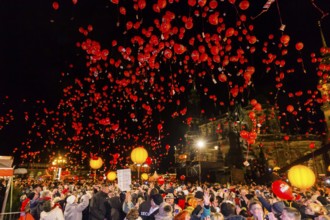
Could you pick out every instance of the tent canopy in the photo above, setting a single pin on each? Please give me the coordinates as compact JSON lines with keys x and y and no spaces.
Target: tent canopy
{"x":6,"y":163}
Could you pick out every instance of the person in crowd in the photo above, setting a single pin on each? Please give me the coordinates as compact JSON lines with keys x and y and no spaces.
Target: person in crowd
{"x":51,"y":214}
{"x":183,"y":215}
{"x":165,"y":212}
{"x":156,"y":201}
{"x":290,"y":213}
{"x":116,"y":211}
{"x":145,"y":206}
{"x":169,"y":198}
{"x":128,"y":203}
{"x":214,"y":204}
{"x":40,"y":203}
{"x":228,"y":210}
{"x":255,"y":208}
{"x":216,"y":216}
{"x":202,"y":209}
{"x":133,"y":214}
{"x":2,"y":191}
{"x":73,"y":210}
{"x":25,"y":207}
{"x":99,"y":206}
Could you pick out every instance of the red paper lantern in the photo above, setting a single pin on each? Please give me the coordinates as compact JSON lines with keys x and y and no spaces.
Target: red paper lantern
{"x":182,"y":177}
{"x":282,"y":190}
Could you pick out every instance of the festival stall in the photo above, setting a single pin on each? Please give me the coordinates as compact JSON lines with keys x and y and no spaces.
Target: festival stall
{"x":6,"y":172}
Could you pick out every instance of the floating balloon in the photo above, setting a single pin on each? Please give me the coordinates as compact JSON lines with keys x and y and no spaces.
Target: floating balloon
{"x":282,"y":190}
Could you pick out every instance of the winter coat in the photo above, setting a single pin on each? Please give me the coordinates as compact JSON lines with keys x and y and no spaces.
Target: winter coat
{"x":54,"y":214}
{"x":74,"y":211}
{"x":99,"y":206}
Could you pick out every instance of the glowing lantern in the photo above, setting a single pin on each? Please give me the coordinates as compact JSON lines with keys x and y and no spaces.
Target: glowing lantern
{"x":301,"y":177}
{"x":139,"y":155}
{"x":144,"y":176}
{"x":329,"y":168}
{"x":96,"y":163}
{"x":111,"y":176}
{"x":182,"y":177}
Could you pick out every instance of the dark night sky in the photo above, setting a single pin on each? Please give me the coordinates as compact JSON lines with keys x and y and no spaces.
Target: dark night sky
{"x":38,"y":44}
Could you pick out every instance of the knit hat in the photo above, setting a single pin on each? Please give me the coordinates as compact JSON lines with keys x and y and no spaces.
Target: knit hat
{"x":278,"y":207}
{"x":157,"y":198}
{"x":71,"y":199}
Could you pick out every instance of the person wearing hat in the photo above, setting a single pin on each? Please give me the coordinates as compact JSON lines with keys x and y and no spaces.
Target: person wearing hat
{"x":202,"y":210}
{"x":145,"y":206}
{"x":165,"y":212}
{"x":156,"y":201}
{"x":169,"y":198}
{"x":73,"y":210}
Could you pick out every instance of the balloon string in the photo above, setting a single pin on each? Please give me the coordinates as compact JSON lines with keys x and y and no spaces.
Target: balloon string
{"x":279,"y":13}
{"x":263,"y":11}
{"x":247,"y":152}
{"x":324,"y":14}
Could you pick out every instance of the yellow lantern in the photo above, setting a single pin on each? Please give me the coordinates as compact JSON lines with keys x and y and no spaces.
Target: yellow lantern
{"x":112,"y":175}
{"x":301,"y":176}
{"x":139,"y":155}
{"x":96,"y":163}
{"x":329,"y":168}
{"x":144,"y":176}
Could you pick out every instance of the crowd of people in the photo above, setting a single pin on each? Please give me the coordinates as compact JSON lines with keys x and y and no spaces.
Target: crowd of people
{"x":104,"y":201}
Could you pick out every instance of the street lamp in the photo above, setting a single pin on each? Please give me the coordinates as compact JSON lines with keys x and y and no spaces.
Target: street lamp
{"x":200,"y":144}
{"x":59,"y":162}
{"x":139,"y":156}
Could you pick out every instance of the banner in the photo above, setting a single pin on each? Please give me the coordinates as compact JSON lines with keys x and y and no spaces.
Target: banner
{"x":124,"y":178}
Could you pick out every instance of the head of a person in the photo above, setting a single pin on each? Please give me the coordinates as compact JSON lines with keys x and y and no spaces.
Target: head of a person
{"x":165,"y":211}
{"x":315,"y":209}
{"x":169,"y":198}
{"x":105,"y":188}
{"x":199,"y":196}
{"x":71,"y":199}
{"x":255,"y":208}
{"x":46,"y":194}
{"x":227,"y":208}
{"x":133,"y":214}
{"x":278,"y":207}
{"x":216,"y":216}
{"x":47,"y":206}
{"x":183,"y":215}
{"x":214,"y":201}
{"x":290,"y":213}
{"x":156,"y":200}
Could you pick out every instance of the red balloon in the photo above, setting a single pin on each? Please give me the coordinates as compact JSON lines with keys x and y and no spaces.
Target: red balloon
{"x":282,"y":190}
{"x":244,"y":134}
{"x":244,"y":4}
{"x":148,"y":161}
{"x":161,"y":180}
{"x":56,"y":5}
